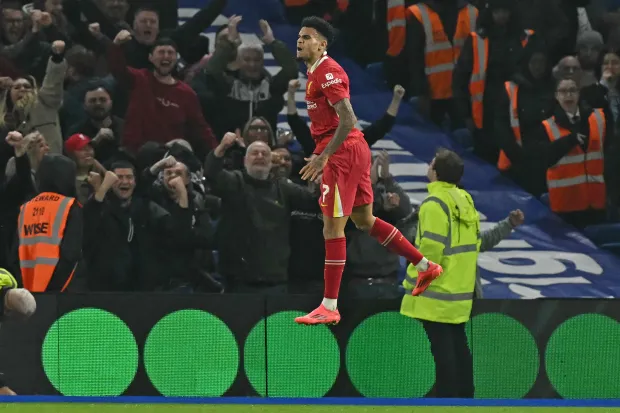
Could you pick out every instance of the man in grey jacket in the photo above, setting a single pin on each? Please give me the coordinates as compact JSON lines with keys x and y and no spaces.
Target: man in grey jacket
{"x":491,"y":237}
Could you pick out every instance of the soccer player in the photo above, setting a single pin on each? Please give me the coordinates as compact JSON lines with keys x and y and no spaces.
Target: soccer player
{"x":343,"y":157}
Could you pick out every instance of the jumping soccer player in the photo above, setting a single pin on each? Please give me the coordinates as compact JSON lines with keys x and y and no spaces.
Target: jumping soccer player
{"x":343,"y":157}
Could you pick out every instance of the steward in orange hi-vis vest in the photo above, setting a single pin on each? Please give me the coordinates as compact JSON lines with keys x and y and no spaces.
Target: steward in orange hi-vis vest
{"x":477,"y":82}
{"x":50,"y":228}
{"x":442,"y":53}
{"x":576,"y":181}
{"x":512,"y":89}
{"x":42,"y":223}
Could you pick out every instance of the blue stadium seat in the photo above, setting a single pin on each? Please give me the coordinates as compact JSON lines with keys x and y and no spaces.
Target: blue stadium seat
{"x":464,"y":138}
{"x":613,"y":247}
{"x":544,"y":198}
{"x":604,"y":234}
{"x":375,"y":70}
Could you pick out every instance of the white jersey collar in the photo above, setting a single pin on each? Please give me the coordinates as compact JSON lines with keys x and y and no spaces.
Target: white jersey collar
{"x":317,"y":63}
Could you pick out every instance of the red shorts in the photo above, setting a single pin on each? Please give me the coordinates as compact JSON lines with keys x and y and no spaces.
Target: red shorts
{"x":346,"y":180}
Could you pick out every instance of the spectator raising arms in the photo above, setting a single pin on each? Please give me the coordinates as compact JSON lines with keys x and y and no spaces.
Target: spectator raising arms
{"x":105,"y":128}
{"x":161,"y":108}
{"x":253,"y":234}
{"x":25,"y":107}
{"x":251,"y":90}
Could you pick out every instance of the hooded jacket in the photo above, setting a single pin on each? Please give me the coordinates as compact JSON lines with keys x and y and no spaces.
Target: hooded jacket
{"x":126,"y":246}
{"x":229,"y":101}
{"x":57,"y":174}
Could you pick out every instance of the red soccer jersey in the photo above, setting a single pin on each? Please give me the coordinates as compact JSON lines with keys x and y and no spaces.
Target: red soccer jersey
{"x":327,"y":85}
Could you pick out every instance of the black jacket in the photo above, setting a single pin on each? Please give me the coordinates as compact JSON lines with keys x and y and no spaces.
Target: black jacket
{"x":229,"y":101}
{"x":13,"y":193}
{"x":107,"y":149}
{"x":535,"y":103}
{"x":192,"y":252}
{"x":253,"y":232}
{"x":505,"y":53}
{"x":127,"y":246}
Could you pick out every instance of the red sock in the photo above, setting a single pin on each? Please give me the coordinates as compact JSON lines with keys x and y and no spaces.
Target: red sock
{"x":335,"y":258}
{"x":391,"y":238}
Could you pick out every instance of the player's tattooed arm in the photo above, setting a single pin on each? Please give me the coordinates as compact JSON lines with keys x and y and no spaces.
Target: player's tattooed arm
{"x":346,"y":123}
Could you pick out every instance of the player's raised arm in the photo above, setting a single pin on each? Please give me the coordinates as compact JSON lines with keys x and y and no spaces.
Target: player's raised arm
{"x":347,"y":122}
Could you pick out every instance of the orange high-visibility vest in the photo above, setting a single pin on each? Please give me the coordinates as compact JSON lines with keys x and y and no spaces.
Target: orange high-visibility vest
{"x":396,"y":26}
{"x":41,"y":227}
{"x":441,"y":54}
{"x":576,"y":182}
{"x":477,"y":81}
{"x":503,"y":163}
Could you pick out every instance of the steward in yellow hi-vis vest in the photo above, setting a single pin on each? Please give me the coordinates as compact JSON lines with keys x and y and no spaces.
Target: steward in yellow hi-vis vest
{"x":448,"y":234}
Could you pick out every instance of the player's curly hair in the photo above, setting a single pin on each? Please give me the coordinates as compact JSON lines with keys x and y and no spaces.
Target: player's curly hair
{"x":324,"y":28}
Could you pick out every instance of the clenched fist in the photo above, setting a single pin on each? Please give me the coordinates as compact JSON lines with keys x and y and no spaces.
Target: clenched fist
{"x":58,"y":47}
{"x":293,"y":86}
{"x":122,"y":37}
{"x":104,"y":133}
{"x":6,"y":83}
{"x":109,"y":180}
{"x":95,"y":180}
{"x":94,"y":29}
{"x":167,"y":162}
{"x":399,"y":92}
{"x":177,"y":184}
{"x":228,"y":141}
{"x":35,"y":16}
{"x":46,"y":19}
{"x":516,"y":218}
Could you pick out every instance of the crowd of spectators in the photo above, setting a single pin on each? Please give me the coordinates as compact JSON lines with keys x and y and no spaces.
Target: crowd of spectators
{"x":184,"y":180}
{"x":534,"y":89}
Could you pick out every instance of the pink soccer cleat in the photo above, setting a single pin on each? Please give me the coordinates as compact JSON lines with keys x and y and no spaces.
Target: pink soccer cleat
{"x":425,"y":278}
{"x":320,"y":316}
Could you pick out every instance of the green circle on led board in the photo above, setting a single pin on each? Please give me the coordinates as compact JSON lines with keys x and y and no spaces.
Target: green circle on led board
{"x":191,"y":353}
{"x":506,"y":358}
{"x":90,"y":352}
{"x":582,"y":357}
{"x":302,"y":361}
{"x":389,"y":355}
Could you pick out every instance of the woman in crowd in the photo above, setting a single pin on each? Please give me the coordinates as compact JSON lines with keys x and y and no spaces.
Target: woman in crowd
{"x":25,"y":107}
{"x":578,"y":147}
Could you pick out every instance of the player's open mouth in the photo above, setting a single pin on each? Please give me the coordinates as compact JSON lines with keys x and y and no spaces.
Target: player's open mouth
{"x":299,"y":49}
